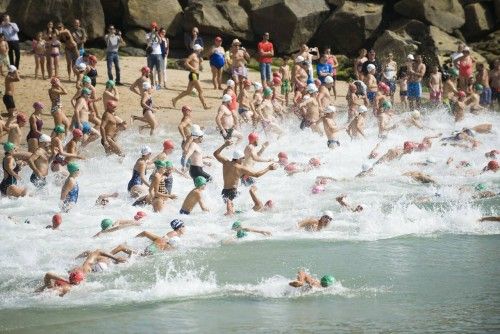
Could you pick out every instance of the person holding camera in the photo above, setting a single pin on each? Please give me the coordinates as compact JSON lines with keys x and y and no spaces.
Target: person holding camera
{"x":309,"y":54}
{"x":113,"y":41}
{"x":10,"y":30}
{"x":239,"y":57}
{"x":154,"y":54}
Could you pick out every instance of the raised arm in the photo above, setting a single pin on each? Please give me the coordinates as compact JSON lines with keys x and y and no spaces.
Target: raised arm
{"x":217,"y":153}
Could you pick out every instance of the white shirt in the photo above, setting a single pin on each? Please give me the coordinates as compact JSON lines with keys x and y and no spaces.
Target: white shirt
{"x":154,"y":42}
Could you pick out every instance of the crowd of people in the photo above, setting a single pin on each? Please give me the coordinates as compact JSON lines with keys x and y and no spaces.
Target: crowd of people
{"x":302,"y":89}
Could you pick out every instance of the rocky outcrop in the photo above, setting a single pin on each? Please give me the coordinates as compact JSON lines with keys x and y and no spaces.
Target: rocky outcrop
{"x":401,"y":45}
{"x":489,"y":47}
{"x":218,"y":18}
{"x":349,"y":27}
{"x":478,"y":20}
{"x":167,"y":13}
{"x":445,"y":14}
{"x":136,"y":36}
{"x":290,"y":22}
{"x":114,"y":11}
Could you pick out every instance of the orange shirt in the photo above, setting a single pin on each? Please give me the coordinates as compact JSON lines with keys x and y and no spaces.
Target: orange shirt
{"x":265,"y":47}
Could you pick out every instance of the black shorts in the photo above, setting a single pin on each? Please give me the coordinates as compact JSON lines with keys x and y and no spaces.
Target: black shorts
{"x":8,"y":100}
{"x":229,"y":194}
{"x":184,"y":212}
{"x":229,"y":133}
{"x":195,"y":171}
{"x":403,"y":93}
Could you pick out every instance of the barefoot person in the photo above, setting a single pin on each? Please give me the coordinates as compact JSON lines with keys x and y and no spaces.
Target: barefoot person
{"x":70,"y":47}
{"x":55,"y":92}
{"x":148,"y":111}
{"x":226,"y":120}
{"x":110,"y":126}
{"x":239,"y":58}
{"x":416,"y":70}
{"x":8,"y":186}
{"x":8,"y":97}
{"x":36,"y":124}
{"x":232,"y":171}
{"x":39,"y":162}
{"x":193,"y":63}
{"x":195,"y":197}
{"x":138,"y":184}
{"x":217,"y":62}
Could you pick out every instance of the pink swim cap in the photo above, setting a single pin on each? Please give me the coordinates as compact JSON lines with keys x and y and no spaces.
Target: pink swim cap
{"x":315,"y":162}
{"x":291,"y":167}
{"x":317,"y":189}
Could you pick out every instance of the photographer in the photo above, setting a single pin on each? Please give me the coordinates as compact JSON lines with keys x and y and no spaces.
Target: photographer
{"x":113,"y":41}
{"x":309,"y":54}
{"x":10,"y":30}
{"x":153,"y":52}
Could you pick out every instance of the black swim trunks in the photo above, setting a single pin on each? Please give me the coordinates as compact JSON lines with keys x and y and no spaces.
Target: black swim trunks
{"x":229,"y":194}
{"x":8,"y":100}
{"x":229,"y":133}
{"x":195,"y":171}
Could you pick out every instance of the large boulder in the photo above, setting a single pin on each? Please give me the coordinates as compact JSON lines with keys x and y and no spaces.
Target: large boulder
{"x":32,"y":16}
{"x":218,"y":18}
{"x":478,"y":20}
{"x":136,"y":37}
{"x":4,"y":5}
{"x":167,"y":13}
{"x":445,"y":14}
{"x":290,"y":22}
{"x":401,"y":45}
{"x":114,"y":11}
{"x":250,"y":5}
{"x":496,"y":3}
{"x":349,"y":27}
{"x":489,"y":47}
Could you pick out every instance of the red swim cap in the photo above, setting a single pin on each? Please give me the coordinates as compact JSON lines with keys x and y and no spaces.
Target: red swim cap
{"x":493,"y":165}
{"x":168,"y":145}
{"x":54,"y":81}
{"x":77,"y":133}
{"x":314,"y":162}
{"x":409,"y":146}
{"x":56,"y":220}
{"x":21,"y":118}
{"x":461,"y":93}
{"x":253,"y":137}
{"x":383,"y":86}
{"x":317,"y":82}
{"x":145,"y":69}
{"x":247,"y":83}
{"x":282,"y":155}
{"x":92,"y":59}
{"x":139,"y":215}
{"x":292,"y":167}
{"x":111,"y":104}
{"x":75,"y":277}
{"x":277,"y":80}
{"x":185,"y":109}
{"x":38,"y":105}
{"x":276,"y":74}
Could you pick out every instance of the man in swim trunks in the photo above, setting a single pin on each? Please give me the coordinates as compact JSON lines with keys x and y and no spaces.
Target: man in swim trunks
{"x":39,"y":162}
{"x":8,"y":98}
{"x":252,"y":155}
{"x":193,"y":64}
{"x":246,"y":107}
{"x":239,"y":58}
{"x":416,"y":71}
{"x":226,"y":120}
{"x":233,"y":170}
{"x":330,"y":127}
{"x":195,"y":153}
{"x":110,"y":127}
{"x":194,"y":197}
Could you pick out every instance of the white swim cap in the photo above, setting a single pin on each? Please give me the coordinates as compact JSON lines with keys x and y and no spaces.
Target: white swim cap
{"x":257,"y":85}
{"x":174,"y":241}
{"x":195,"y":127}
{"x":238,"y":155}
{"x":145,"y":150}
{"x":371,"y":67}
{"x":410,"y":57}
{"x":12,"y":68}
{"x":330,"y":109}
{"x":230,"y":83}
{"x":328,"y":79}
{"x":44,"y":138}
{"x":226,"y":98}
{"x":362,"y":109}
{"x":197,"y":132}
{"x":365,"y":167}
{"x":306,"y":97}
{"x":299,"y":59}
{"x":146,"y":85}
{"x":311,"y":88}
{"x":197,"y":47}
{"x":415,"y":114}
{"x":81,"y":66}
{"x":328,"y":213}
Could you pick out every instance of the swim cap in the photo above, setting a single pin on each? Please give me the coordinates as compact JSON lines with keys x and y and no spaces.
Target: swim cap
{"x":282,"y":155}
{"x":154,"y":24}
{"x":317,"y":189}
{"x":168,"y":145}
{"x":371,"y":67}
{"x":169,"y":164}
{"x":236,"y":225}
{"x":106,"y":223}
{"x":230,"y":83}
{"x":86,"y":91}
{"x":492,"y":165}
{"x":480,"y":187}
{"x":291,"y":167}
{"x":112,"y":104}
{"x":386,"y":104}
{"x":73,"y":167}
{"x":268,"y":92}
{"x":92,"y":59}
{"x":327,"y":280}
{"x":330,"y":109}
{"x":408,"y":146}
{"x":478,"y":87}
{"x":145,"y":150}
{"x":145,"y":69}
{"x":277,"y":80}
{"x":197,"y":132}
{"x":197,"y":47}
{"x":241,"y":234}
{"x":226,"y":98}
{"x":365,"y":167}
{"x":56,"y":220}
{"x":383,"y":86}
{"x":247,"y":83}
{"x":410,"y":57}
{"x":200,"y":181}
{"x":328,"y":213}
{"x":195,"y":127}
{"x":415,"y":114}
{"x":185,"y":109}
{"x":257,"y":85}
{"x":176,"y":224}
{"x":81,"y":66}
{"x":110,"y":83}
{"x":139,"y":215}
{"x":54,"y":81}
{"x":44,"y":138}
{"x":453,"y":72}
{"x":21,"y":118}
{"x":86,"y":79}
{"x":352,"y":87}
{"x":59,"y":129}
{"x":99,"y":267}
{"x":237,"y":155}
{"x":86,"y":127}
{"x":77,"y":133}
{"x":12,"y":69}
{"x":160,"y":164}
{"x":146,"y":85}
{"x":38,"y":105}
{"x":314,"y":162}
{"x":362,"y":109}
{"x":76,"y":277}
{"x":9,"y":146}
{"x":311,"y":88}
{"x":461,"y":93}
{"x":253,"y":137}
{"x":328,"y":79}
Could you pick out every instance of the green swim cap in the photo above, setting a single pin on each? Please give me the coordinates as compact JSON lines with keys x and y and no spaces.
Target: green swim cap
{"x":453,"y":72}
{"x":86,"y":79}
{"x":110,"y":83}
{"x":236,"y":225}
{"x":267,"y":92}
{"x":480,"y":187}
{"x":106,"y":223}
{"x":8,"y":146}
{"x":478,"y":87}
{"x":86,"y":91}
{"x":386,"y":104}
{"x":73,"y":167}
{"x":169,"y":164}
{"x":327,"y":280}
{"x":160,"y":164}
{"x":199,"y":181}
{"x":59,"y":129}
{"x":241,"y":234}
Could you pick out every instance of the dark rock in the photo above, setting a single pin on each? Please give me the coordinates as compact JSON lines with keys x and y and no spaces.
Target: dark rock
{"x":136,"y":37}
{"x":489,"y":47}
{"x":496,"y":4}
{"x":167,"y":13}
{"x":349,"y":27}
{"x":335,"y":3}
{"x":401,"y":45}
{"x":478,"y":20}
{"x":444,"y":14}
{"x":289,"y":22}
{"x":134,"y":52}
{"x":250,"y":5}
{"x":114,"y":12}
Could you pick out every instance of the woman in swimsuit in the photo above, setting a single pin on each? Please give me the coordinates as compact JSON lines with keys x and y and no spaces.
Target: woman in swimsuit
{"x":70,"y":47}
{"x":36,"y":124}
{"x":70,"y":189}
{"x":55,"y":46}
{"x":47,"y":36}
{"x":147,"y":109}
{"x":55,"y":92}
{"x":10,"y":168}
{"x":91,"y":70}
{"x":217,"y":63}
{"x":157,"y":189}
{"x":38,"y":46}
{"x":138,"y":182}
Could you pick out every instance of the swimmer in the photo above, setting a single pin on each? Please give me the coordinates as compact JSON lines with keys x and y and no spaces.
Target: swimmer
{"x":420,"y":177}
{"x":253,"y":155}
{"x":257,"y":204}
{"x":56,"y":222}
{"x":158,"y":192}
{"x":239,"y":229}
{"x":341,"y":200}
{"x":246,"y":108}
{"x":227,"y":121}
{"x":491,"y":166}
{"x":490,"y":219}
{"x":195,"y":153}
{"x":110,"y":93}
{"x":316,"y":224}
{"x":71,"y":146}
{"x":353,"y":102}
{"x":70,"y":189}
{"x":357,"y":125}
{"x":108,"y":226}
{"x":366,"y":170}
{"x":148,"y":111}
{"x":194,"y":197}
{"x":103,"y":199}
{"x":185,"y":125}
{"x":15,"y":128}
{"x":138,"y":183}
{"x":109,"y":129}
{"x":39,"y":162}
{"x":11,"y":169}
{"x":138,"y":84}
{"x":305,"y":279}
{"x":330,"y":127}
{"x":311,"y":109}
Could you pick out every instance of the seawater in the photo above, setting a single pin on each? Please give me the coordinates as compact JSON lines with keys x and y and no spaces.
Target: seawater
{"x":401,"y":265}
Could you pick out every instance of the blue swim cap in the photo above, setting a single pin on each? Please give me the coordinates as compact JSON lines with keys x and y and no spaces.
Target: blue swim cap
{"x":86,"y":127}
{"x":176,"y":224}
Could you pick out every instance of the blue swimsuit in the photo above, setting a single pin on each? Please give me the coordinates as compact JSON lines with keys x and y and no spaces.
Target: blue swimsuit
{"x":72,"y":196}
{"x":135,"y":180}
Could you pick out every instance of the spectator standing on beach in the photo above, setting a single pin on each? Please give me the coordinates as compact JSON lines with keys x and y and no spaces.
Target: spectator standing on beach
{"x":10,"y":30}
{"x":266,"y":54}
{"x":79,"y":35}
{"x":164,"y":45}
{"x":113,"y":41}
{"x":190,"y":40}
{"x":153,"y":52}
{"x":374,"y":61}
